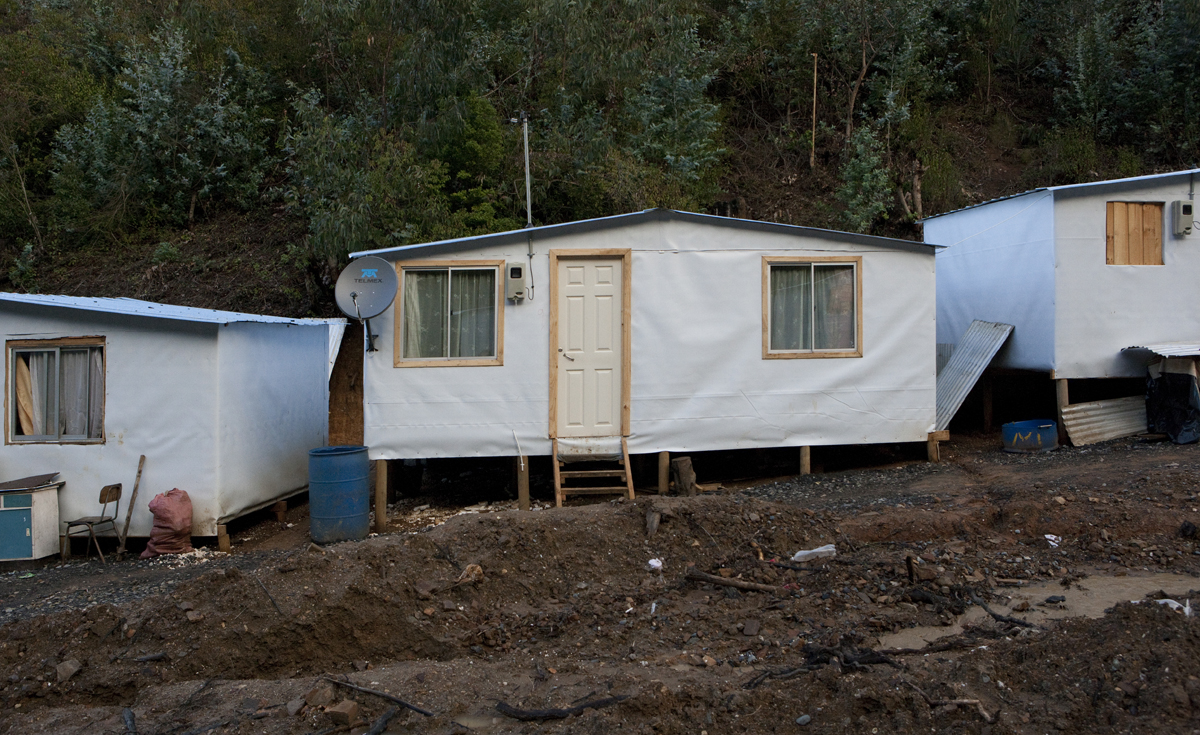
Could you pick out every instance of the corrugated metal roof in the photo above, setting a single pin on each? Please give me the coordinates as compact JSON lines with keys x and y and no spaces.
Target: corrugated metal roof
{"x":1088,"y":423}
{"x":972,"y":355}
{"x":650,"y":215}
{"x":1171,"y":349}
{"x":1062,"y":187}
{"x":135,"y":307}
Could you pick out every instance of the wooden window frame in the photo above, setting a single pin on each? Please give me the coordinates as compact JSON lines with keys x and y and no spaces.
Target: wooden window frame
{"x":624,"y":255}
{"x":1114,"y":245}
{"x":10,"y":348}
{"x":398,"y":359}
{"x":771,"y":260}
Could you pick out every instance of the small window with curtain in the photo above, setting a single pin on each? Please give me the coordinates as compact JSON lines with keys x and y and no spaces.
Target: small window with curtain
{"x":449,"y":314}
{"x":812,"y":307}
{"x":56,"y":391}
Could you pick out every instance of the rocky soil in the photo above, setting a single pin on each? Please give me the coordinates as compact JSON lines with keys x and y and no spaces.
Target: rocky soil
{"x":481,"y":615}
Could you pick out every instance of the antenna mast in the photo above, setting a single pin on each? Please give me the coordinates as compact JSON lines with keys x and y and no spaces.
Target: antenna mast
{"x":528,"y":197}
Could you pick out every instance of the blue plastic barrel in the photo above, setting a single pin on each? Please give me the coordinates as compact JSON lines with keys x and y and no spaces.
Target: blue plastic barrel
{"x":338,"y":496}
{"x":1038,"y":435}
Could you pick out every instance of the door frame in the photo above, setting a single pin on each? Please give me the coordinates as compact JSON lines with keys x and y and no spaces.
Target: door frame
{"x":625,"y":255}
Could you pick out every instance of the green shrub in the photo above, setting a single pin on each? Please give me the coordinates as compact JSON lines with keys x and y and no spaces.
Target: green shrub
{"x":170,"y":142}
{"x":866,"y":187}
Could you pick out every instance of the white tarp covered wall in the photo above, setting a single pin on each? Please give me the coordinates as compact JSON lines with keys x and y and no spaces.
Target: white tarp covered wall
{"x":998,"y":266}
{"x":223,"y":405}
{"x":1037,"y":261}
{"x":699,"y":380}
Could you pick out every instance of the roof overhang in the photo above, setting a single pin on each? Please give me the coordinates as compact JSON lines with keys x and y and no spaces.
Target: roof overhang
{"x":1066,"y":187}
{"x":1170,"y":349}
{"x":136,"y":307}
{"x":650,"y":215}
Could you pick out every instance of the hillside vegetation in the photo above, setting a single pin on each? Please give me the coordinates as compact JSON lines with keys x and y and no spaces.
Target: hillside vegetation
{"x":231,"y":153}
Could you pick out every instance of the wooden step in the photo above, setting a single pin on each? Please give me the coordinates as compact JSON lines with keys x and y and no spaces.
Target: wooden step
{"x":615,"y":489}
{"x":561,"y":491}
{"x":592,"y":473}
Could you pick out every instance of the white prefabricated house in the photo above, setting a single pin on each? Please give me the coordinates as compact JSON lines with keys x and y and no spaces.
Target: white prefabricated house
{"x":223,"y":405}
{"x":673,"y":331}
{"x":1082,"y":272}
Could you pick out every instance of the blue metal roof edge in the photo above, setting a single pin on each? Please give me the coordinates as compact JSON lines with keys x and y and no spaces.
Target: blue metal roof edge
{"x":1062,"y":187}
{"x":662,"y":215}
{"x":137,"y":307}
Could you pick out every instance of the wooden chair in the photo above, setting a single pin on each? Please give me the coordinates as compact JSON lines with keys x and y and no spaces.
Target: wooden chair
{"x":108,"y":494}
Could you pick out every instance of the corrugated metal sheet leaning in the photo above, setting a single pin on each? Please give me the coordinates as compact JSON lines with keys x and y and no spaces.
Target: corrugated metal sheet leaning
{"x":1097,"y":421}
{"x":971,"y":356}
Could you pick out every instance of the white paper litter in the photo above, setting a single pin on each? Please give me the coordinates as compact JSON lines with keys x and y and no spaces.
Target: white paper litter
{"x":1185,"y":608}
{"x":1054,"y":540}
{"x":820,"y":552}
{"x":656,"y":564}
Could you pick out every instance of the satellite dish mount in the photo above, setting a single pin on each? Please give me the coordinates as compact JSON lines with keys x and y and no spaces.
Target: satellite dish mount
{"x":365,"y":289}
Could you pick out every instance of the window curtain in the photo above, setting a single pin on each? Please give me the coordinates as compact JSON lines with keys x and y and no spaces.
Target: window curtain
{"x":425,"y":300}
{"x":74,"y":371}
{"x":791,"y":307}
{"x":96,"y":396}
{"x":33,"y":393}
{"x":833,"y":290}
{"x":473,"y":313}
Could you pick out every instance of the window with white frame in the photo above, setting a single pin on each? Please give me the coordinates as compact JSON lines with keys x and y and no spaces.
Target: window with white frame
{"x":56,"y":391}
{"x":811,"y":307}
{"x":449,"y":315}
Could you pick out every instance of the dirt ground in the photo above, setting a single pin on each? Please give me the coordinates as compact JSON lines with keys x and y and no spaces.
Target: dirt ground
{"x":476,"y":612}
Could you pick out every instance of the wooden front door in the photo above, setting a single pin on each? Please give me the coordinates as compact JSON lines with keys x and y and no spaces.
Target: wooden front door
{"x":589,"y":346}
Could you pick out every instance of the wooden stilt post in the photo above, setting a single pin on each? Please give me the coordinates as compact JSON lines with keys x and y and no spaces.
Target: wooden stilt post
{"x":523,"y":482}
{"x":805,"y":460}
{"x":381,"y":488}
{"x":664,"y":473}
{"x":1063,"y":400}
{"x":280,"y":509}
{"x":931,"y":444}
{"x":223,"y":543}
{"x":558,"y":492}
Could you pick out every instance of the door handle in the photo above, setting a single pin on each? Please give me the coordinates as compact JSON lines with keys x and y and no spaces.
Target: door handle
{"x":572,"y":359}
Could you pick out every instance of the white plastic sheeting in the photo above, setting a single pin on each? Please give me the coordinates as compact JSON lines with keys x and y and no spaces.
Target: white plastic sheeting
{"x":1037,"y":261}
{"x":224,"y":409}
{"x":699,"y":381}
{"x":1101,"y":309}
{"x":337,"y":330}
{"x":998,"y":266}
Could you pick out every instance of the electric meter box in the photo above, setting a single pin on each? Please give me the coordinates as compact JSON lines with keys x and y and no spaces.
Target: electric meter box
{"x":1183,"y":213}
{"x":514,"y":281}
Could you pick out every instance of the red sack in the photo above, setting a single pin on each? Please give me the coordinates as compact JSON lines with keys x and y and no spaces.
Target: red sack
{"x":172,"y":532}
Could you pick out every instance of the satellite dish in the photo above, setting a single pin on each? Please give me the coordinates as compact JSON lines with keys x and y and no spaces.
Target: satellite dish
{"x":366,"y":288}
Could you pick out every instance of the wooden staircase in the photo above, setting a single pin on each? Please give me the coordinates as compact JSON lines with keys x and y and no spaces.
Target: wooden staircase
{"x":620,"y":472}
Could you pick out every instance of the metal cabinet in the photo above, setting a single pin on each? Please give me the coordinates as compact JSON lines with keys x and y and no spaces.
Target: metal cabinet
{"x":29,"y":523}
